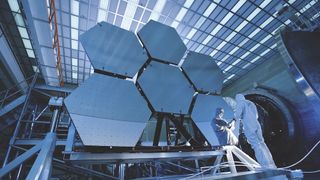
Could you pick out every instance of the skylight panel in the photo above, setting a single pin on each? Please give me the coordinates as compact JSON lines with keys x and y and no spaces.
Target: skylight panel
{"x":226,"y":18}
{"x":266,"y":22}
{"x":287,"y":22}
{"x":91,"y":70}
{"x":291,"y":1}
{"x":266,"y":39}
{"x":191,"y":33}
{"x":200,"y":22}
{"x":255,"y":59}
{"x":209,"y":10}
{"x":74,"y":44}
{"x":182,"y":13}
{"x":104,"y":4}
{"x":23,"y":32}
{"x":208,"y":38}
{"x":243,"y":42}
{"x":128,"y":14}
{"x":74,"y":75}
{"x":14,"y":6}
{"x":74,"y":62}
{"x":306,"y":7}
{"x":238,"y":5}
{"x":228,"y":68}
{"x":75,"y":7}
{"x":30,"y":53}
{"x":216,"y":29}
{"x":19,"y":20}
{"x":74,"y":34}
{"x":264,"y":3}
{"x":221,"y":45}
{"x":254,"y":47}
{"x":188,"y":3}
{"x":185,"y":41}
{"x":101,"y":15}
{"x":213,"y":52}
{"x":245,"y":55}
{"x":245,"y":66}
{"x":253,"y":14}
{"x":273,"y":46}
{"x":228,"y":78}
{"x":234,"y":50}
{"x":236,"y":62}
{"x":254,"y":33}
{"x":243,"y":24}
{"x":199,"y":48}
{"x":225,"y":58}
{"x":264,"y":52}
{"x":74,"y":21}
{"x":27,"y":43}
{"x":231,"y":35}
{"x":157,"y":10}
{"x":35,"y":69}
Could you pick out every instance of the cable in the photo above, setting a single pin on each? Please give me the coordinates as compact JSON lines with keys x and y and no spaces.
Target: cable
{"x":311,"y":172}
{"x":244,"y":164}
{"x":221,"y":164}
{"x":287,"y":167}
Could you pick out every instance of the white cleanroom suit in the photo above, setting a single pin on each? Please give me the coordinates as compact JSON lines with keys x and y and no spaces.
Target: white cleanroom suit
{"x":247,"y":112}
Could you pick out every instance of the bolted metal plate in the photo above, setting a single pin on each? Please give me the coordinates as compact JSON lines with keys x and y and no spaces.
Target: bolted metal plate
{"x":162,"y":42}
{"x":108,"y":111}
{"x":204,"y":111}
{"x":203,"y":72}
{"x":113,"y":49}
{"x":166,"y":88}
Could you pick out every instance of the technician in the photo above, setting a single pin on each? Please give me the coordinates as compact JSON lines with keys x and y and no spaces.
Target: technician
{"x":246,"y":111}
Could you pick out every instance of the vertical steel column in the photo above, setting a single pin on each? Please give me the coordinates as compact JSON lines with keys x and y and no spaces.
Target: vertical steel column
{"x":157,"y":133}
{"x":121,"y":171}
{"x":70,"y":138}
{"x":168,"y":131}
{"x":16,"y":130}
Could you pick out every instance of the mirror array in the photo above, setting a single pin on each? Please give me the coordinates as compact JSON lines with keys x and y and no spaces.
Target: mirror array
{"x":109,"y":110}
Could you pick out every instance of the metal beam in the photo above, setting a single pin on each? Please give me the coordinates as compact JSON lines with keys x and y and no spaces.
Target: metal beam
{"x":54,"y":88}
{"x":41,"y":168}
{"x":80,"y":170}
{"x":95,"y":158}
{"x":16,"y":162}
{"x":15,"y":103}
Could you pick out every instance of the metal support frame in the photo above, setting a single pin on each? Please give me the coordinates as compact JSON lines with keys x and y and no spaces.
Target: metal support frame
{"x":184,"y":132}
{"x":16,"y":131}
{"x":19,"y":160}
{"x":41,"y":168}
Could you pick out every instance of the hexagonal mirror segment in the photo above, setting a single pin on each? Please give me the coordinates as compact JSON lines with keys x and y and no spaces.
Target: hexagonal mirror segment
{"x":114,"y":50}
{"x":166,"y":88}
{"x":204,"y":73}
{"x":108,"y":111}
{"x":204,"y":112}
{"x":162,"y":42}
